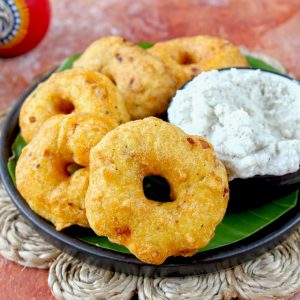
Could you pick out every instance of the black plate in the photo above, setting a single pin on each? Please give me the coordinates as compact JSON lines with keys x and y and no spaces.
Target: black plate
{"x":210,"y":261}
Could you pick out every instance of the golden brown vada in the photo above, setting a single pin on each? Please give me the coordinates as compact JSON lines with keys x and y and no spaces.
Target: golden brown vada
{"x":117,"y":207}
{"x":186,"y":57}
{"x":143,"y":80}
{"x":43,"y":173}
{"x":69,"y":91}
{"x":79,"y":133}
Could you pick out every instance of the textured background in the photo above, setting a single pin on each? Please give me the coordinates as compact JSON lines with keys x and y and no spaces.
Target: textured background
{"x":272,"y":27}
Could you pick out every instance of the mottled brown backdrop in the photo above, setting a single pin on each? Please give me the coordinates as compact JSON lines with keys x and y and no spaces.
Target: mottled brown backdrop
{"x":270,"y":26}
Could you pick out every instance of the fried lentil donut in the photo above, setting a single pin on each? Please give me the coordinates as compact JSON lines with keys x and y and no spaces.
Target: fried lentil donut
{"x":143,"y":80}
{"x":69,"y":91}
{"x":117,"y":207}
{"x":189,"y":56}
{"x":43,"y":172}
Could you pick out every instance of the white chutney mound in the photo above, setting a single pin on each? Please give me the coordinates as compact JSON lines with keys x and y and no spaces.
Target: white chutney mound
{"x":251,"y":117}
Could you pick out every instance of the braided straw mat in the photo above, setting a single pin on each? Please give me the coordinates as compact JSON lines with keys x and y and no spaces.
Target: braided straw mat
{"x":273,"y":275}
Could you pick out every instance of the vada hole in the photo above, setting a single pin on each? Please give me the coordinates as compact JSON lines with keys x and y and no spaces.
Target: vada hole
{"x":65,"y":107}
{"x":72,"y":168}
{"x":157,"y":188}
{"x":186,"y":59}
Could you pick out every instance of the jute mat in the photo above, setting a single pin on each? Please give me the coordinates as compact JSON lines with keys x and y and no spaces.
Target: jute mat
{"x":273,"y":275}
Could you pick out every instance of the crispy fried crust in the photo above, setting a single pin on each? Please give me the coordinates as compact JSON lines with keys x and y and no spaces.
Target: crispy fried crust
{"x":189,"y":56}
{"x":69,"y":91}
{"x":79,"y":133}
{"x":42,"y":172}
{"x":117,"y":207}
{"x":143,"y":80}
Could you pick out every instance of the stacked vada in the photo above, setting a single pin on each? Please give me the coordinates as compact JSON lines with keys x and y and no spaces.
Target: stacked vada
{"x":86,"y":157}
{"x":52,"y":172}
{"x":62,"y":120}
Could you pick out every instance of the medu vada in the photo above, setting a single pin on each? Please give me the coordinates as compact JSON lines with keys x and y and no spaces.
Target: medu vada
{"x":69,"y":91}
{"x":52,"y":172}
{"x":116,"y":206}
{"x":142,"y":79}
{"x":187,"y":57}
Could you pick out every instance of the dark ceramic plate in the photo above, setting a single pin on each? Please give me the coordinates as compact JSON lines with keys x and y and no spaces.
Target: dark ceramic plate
{"x":209,"y":261}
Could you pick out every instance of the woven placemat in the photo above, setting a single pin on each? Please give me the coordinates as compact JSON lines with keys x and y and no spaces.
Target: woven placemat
{"x":273,"y":275}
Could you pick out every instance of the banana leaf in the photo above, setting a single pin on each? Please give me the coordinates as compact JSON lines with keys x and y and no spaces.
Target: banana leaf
{"x":16,"y":150}
{"x":233,"y":228}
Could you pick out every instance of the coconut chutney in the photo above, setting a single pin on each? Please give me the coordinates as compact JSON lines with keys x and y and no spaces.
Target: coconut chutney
{"x":251,"y":117}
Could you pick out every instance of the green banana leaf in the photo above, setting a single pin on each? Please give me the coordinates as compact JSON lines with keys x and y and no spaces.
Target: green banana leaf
{"x":145,"y":45}
{"x":235,"y":226}
{"x":257,"y":63}
{"x":68,"y":63}
{"x":16,"y":150}
{"x":239,"y":225}
{"x":88,"y":236}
